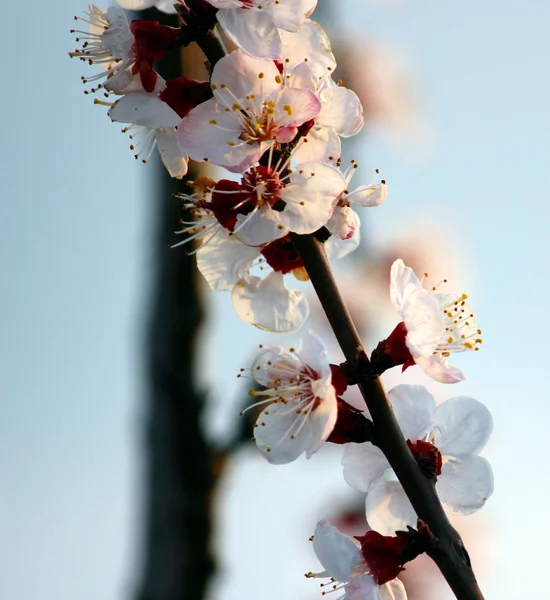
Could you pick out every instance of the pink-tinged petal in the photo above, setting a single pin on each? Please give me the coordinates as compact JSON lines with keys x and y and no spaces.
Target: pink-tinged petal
{"x":295,"y":106}
{"x":268,"y":305}
{"x":240,"y":73}
{"x":337,"y":552}
{"x":368,"y":196}
{"x":310,"y":44}
{"x":226,"y":3}
{"x":253,"y":31}
{"x":172,"y":157}
{"x":290,"y":14}
{"x":344,"y":223}
{"x":321,"y":143}
{"x":362,"y":588}
{"x":323,"y":418}
{"x":438,"y":368}
{"x":337,"y":248}
{"x":143,"y":109}
{"x":388,"y":508}
{"x":302,"y":77}
{"x":260,"y":228}
{"x":310,"y":196}
{"x":465,"y":484}
{"x":223,"y":260}
{"x":393,"y":590}
{"x":462,"y":426}
{"x":166,"y":6}
{"x":341,"y":110}
{"x":281,"y":434}
{"x":364,"y":465}
{"x":208,"y":132}
{"x":286,"y":134}
{"x":414,"y":409}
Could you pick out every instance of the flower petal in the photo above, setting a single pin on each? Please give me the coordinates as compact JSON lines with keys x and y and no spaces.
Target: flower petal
{"x":260,"y":228}
{"x":462,"y":426}
{"x":224,"y":261}
{"x":172,"y":157}
{"x":321,"y":143}
{"x":312,"y":45}
{"x":414,"y":409}
{"x":282,"y":435}
{"x":393,"y":590}
{"x":267,"y":304}
{"x":337,"y":248}
{"x":368,"y":195}
{"x":438,"y":368}
{"x":143,"y":109}
{"x":290,"y":14}
{"x":364,"y":465}
{"x":296,"y":106}
{"x":341,"y":110}
{"x":388,"y":508}
{"x":253,"y":31}
{"x":362,"y":588}
{"x":337,"y":552}
{"x":310,"y":196}
{"x":465,"y":484}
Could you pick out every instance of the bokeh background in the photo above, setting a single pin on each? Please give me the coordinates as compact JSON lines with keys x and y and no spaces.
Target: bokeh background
{"x":457,"y":98}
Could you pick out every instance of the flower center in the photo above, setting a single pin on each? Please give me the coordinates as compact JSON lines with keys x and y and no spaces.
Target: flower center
{"x":427,"y":457}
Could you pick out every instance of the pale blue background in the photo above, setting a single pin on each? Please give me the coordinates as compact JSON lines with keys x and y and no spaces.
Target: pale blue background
{"x":75,"y":254}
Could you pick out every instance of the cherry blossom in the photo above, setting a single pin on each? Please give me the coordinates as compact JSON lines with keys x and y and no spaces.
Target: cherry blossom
{"x":254,"y":24}
{"x":226,"y":263}
{"x":251,"y":111}
{"x":302,"y":408}
{"x":166,"y":6}
{"x":346,"y":568}
{"x":446,"y":441}
{"x":154,"y":123}
{"x":434,"y":325}
{"x":109,"y":43}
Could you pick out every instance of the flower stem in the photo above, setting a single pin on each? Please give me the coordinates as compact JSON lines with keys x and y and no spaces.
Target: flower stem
{"x":448,"y":552}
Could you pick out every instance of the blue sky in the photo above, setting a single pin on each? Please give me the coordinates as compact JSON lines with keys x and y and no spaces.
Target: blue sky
{"x":75,"y":254}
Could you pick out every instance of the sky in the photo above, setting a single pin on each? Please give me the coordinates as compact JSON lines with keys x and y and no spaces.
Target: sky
{"x":75,"y":251}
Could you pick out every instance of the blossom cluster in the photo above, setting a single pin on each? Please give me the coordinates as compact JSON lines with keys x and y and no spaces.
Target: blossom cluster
{"x":272,"y":116}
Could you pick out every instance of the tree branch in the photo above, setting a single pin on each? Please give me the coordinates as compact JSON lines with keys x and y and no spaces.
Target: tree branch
{"x":449,"y":552}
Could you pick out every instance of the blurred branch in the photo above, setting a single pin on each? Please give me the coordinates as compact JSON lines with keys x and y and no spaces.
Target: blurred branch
{"x":177,"y":563}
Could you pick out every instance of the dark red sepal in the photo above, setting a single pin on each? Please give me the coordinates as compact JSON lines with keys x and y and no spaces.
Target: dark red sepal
{"x":351,"y":425}
{"x":383,"y":555}
{"x":226,"y":196}
{"x":428,"y":458}
{"x":281,"y":255}
{"x":340,"y":380}
{"x":182,"y":94}
{"x":393,"y":351}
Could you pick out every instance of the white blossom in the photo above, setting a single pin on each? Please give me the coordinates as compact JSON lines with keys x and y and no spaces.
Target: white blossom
{"x":437,"y":324}
{"x":302,"y":407}
{"x":346,"y":568}
{"x":254,"y":25}
{"x":250,"y":112}
{"x":459,"y":429}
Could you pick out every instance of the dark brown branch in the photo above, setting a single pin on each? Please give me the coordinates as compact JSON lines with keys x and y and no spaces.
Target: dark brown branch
{"x":448,"y":553}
